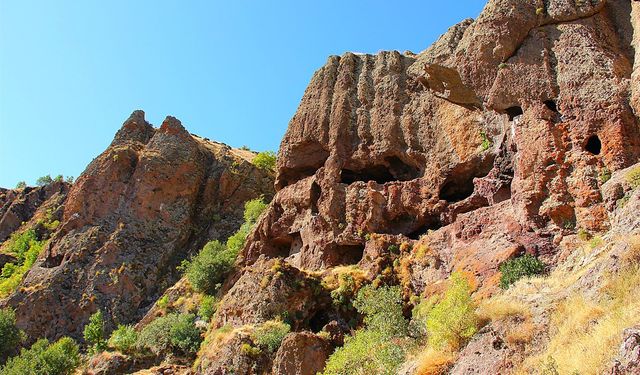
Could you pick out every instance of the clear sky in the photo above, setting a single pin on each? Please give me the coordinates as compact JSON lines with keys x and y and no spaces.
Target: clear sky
{"x":234,"y":71}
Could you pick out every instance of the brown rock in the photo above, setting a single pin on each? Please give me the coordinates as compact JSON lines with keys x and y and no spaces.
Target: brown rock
{"x":301,"y":353}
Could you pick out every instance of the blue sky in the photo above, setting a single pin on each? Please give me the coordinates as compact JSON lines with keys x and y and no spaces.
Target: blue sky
{"x":72,"y":71}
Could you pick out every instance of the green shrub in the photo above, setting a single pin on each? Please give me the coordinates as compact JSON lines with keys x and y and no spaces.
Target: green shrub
{"x":270,"y":334}
{"x":26,"y":248}
{"x":44,"y":180}
{"x":209,"y":268}
{"x":378,"y":348}
{"x":265,"y":160}
{"x":94,"y":333}
{"x":604,"y":175}
{"x":174,"y":332}
{"x":366,"y":352}
{"x":59,"y":358}
{"x":486,"y":142}
{"x":21,"y":185}
{"x":10,"y":335}
{"x":123,"y":339}
{"x":163,"y":302}
{"x":207,"y":307}
{"x":69,"y":179}
{"x":452,"y":320}
{"x":514,"y":269}
{"x":633,"y":177}
{"x":382,"y":309}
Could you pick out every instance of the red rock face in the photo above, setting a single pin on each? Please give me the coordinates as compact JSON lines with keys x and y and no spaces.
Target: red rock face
{"x":493,"y":139}
{"x":147,"y":202}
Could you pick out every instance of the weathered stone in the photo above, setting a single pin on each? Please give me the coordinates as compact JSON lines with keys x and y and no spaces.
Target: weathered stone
{"x":301,"y":353}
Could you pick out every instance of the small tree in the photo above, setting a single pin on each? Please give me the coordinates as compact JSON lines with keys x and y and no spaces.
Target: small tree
{"x":21,"y":185}
{"x":514,"y":269}
{"x":123,"y":339}
{"x":10,"y":335}
{"x":94,"y":333}
{"x":44,"y":180}
{"x":265,"y":160}
{"x":270,"y":334}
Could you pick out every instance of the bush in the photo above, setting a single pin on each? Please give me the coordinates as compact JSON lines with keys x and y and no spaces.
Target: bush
{"x":44,"y":180}
{"x":174,"y":332}
{"x":265,"y":160}
{"x":270,"y":334}
{"x":209,"y":268}
{"x":376,"y":349}
{"x":26,"y":248}
{"x":10,"y":335}
{"x":366,"y":352}
{"x":633,"y":177}
{"x":452,"y":321}
{"x":21,"y":185}
{"x":382,"y":309}
{"x":60,"y":358}
{"x":94,"y":333}
{"x":514,"y":269}
{"x":123,"y":339}
{"x":207,"y":307}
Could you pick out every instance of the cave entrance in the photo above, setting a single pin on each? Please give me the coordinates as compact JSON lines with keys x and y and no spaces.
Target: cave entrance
{"x":551,"y":105}
{"x":593,"y":145}
{"x":514,"y":112}
{"x":350,"y":254}
{"x":392,"y":169}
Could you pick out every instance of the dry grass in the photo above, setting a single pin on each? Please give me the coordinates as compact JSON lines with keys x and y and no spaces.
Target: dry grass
{"x":521,"y":333}
{"x":585,"y":334}
{"x":332,"y":280}
{"x":434,"y":362}
{"x":501,"y":308}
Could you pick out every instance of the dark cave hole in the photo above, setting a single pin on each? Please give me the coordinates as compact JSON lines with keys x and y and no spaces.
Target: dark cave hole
{"x":456,"y":191}
{"x":432,"y":224}
{"x":514,"y":112}
{"x":315,"y":196}
{"x":306,"y":158}
{"x":296,"y":243}
{"x":459,"y":183}
{"x":393,"y":169}
{"x":551,"y":104}
{"x":318,"y":321}
{"x":350,"y":254}
{"x":593,"y":145}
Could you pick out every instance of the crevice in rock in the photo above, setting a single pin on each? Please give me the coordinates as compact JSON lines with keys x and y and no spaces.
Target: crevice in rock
{"x":318,"y":320}
{"x":514,"y":112}
{"x":315,"y":197}
{"x":296,"y":243}
{"x":459,"y":183}
{"x":551,"y":105}
{"x":593,"y":145}
{"x":393,"y":169}
{"x":306,"y":160}
{"x":349,"y":254}
{"x":432,"y":224}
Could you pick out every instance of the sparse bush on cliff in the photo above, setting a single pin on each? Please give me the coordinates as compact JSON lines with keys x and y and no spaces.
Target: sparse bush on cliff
{"x":44,"y":180}
{"x":208,"y":269}
{"x":207,"y":307}
{"x":123,"y":339}
{"x":514,"y":269}
{"x":270,"y":334}
{"x":26,"y":248}
{"x":379,"y":348}
{"x":174,"y":332}
{"x":265,"y":160}
{"x":10,"y":335}
{"x":21,"y":185}
{"x":59,"y":358}
{"x":633,"y":177}
{"x":94,"y":333}
{"x":452,"y":320}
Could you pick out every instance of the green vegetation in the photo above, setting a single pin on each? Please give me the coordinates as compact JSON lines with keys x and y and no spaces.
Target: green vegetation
{"x":633,"y":177}
{"x":375,"y":349}
{"x":176,"y":333}
{"x":514,"y":269}
{"x":94,"y":333}
{"x":123,"y":339}
{"x":502,"y":65}
{"x":344,"y":293}
{"x":59,"y":358}
{"x":44,"y":180}
{"x":21,"y":185}
{"x":207,"y":270}
{"x":604,"y":175}
{"x":486,"y":142}
{"x":452,"y":321}
{"x":26,"y":248}
{"x":10,"y":335}
{"x":270,"y":334}
{"x":265,"y":160}
{"x":539,"y":11}
{"x":207,"y":307}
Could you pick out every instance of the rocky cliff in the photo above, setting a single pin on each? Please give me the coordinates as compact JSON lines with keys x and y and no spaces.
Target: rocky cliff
{"x":150,"y":200}
{"x":514,"y":134}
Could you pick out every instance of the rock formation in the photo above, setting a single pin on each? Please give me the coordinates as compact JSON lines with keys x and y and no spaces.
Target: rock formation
{"x":151,"y":199}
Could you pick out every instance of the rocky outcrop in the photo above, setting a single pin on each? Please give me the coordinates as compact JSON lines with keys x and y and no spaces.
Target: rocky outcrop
{"x":628,"y":361}
{"x":301,"y":353}
{"x":20,"y":205}
{"x":494,"y":139}
{"x":151,"y":199}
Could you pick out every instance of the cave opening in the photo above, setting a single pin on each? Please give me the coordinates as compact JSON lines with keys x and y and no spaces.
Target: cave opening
{"x":392,"y":169}
{"x":431,"y":224}
{"x":315,"y":197}
{"x":456,"y":191}
{"x":593,"y":145}
{"x":318,"y":321}
{"x":514,"y":112}
{"x":350,"y":254}
{"x":551,"y":105}
{"x":458,"y":185}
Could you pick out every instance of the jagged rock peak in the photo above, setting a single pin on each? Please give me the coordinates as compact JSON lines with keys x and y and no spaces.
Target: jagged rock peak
{"x":135,"y":128}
